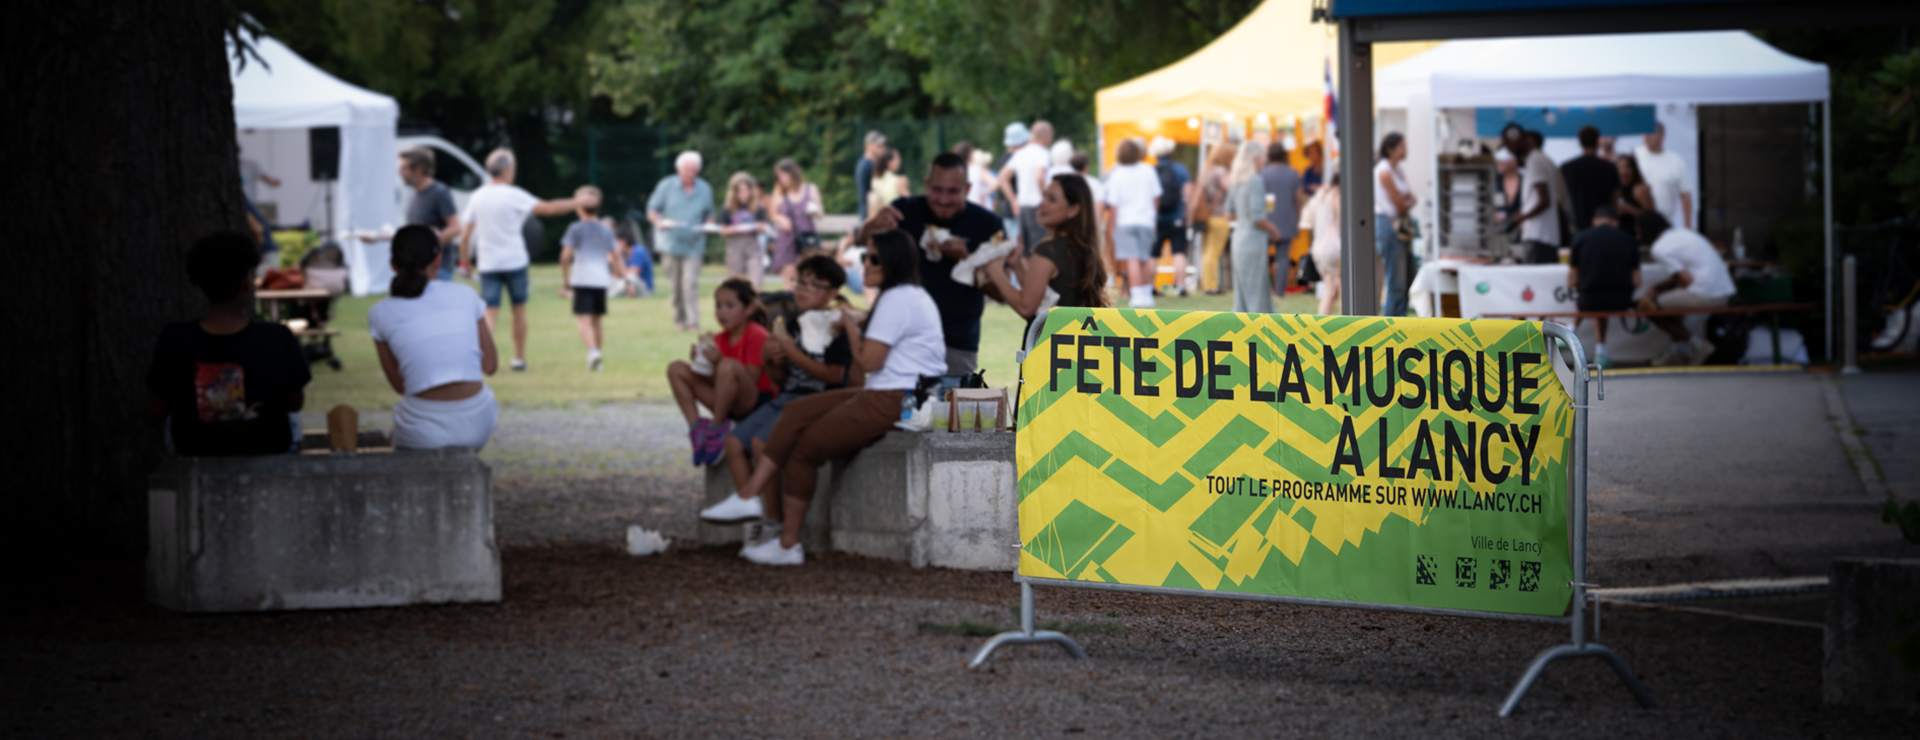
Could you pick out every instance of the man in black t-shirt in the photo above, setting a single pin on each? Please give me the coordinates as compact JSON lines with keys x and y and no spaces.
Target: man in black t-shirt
{"x":1591,"y":181}
{"x":945,"y":205}
{"x":226,"y":384}
{"x":432,"y":205}
{"x":1604,"y":271}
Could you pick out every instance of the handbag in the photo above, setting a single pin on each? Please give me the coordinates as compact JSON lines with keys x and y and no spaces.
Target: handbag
{"x":1405,"y":229}
{"x":1309,"y":272}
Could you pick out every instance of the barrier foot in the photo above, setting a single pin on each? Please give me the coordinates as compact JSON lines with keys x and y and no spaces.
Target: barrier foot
{"x":1589,"y":650}
{"x":1022,"y":638}
{"x":1027,"y":634}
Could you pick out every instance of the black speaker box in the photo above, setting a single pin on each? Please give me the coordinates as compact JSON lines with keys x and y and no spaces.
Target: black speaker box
{"x":323,"y":152}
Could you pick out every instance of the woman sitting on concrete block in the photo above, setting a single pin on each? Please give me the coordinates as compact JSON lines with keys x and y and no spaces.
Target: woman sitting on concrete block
{"x":436,"y":351}
{"x":898,"y":345}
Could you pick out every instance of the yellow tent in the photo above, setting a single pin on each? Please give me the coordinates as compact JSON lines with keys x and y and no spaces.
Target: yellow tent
{"x":1273,"y":64}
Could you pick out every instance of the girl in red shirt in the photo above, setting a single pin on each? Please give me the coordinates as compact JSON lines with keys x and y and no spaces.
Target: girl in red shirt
{"x":724,"y":370}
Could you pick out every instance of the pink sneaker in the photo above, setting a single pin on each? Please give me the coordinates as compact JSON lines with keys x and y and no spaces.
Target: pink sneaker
{"x":697,"y":437}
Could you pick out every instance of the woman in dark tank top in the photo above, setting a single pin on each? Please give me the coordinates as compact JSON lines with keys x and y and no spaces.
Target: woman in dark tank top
{"x":1068,"y":262}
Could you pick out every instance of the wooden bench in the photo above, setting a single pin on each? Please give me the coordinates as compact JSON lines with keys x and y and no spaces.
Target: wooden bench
{"x":1773,"y":309}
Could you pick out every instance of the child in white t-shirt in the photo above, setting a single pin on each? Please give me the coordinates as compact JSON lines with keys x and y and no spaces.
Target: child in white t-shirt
{"x":589,"y":258}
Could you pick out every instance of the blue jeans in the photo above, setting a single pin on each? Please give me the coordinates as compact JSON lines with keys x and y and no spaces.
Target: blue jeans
{"x":515,"y":281}
{"x":1393,"y":253}
{"x":449,"y":254}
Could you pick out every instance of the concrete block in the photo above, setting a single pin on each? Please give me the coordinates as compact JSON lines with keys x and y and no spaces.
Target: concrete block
{"x":815,"y":537}
{"x":321,"y":532}
{"x":935,"y":498}
{"x":1864,"y":597}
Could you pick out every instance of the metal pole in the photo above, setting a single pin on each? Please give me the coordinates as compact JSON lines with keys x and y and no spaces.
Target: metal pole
{"x":1826,"y":206}
{"x":593,"y":164}
{"x":1850,"y":341}
{"x":1577,"y":499}
{"x":1359,"y":288}
{"x":1026,"y":609}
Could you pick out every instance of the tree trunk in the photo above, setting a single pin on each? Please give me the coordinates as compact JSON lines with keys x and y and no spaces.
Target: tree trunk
{"x":121,"y":148}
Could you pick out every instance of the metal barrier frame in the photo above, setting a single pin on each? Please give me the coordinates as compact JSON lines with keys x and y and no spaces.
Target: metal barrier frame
{"x":1578,"y":646}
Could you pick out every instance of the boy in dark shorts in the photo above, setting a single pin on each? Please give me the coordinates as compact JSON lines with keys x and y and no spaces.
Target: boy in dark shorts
{"x":1604,"y":271}
{"x":589,"y":259}
{"x":226,"y":384}
{"x":805,"y":358}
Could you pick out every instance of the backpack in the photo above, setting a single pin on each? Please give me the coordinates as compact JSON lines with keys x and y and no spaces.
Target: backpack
{"x":1172,"y":203}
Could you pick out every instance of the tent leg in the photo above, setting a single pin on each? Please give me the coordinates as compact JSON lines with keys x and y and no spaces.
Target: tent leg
{"x":1359,"y":280}
{"x":1826,"y":206}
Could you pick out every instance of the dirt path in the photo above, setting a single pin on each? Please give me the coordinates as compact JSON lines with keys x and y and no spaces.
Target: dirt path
{"x":591,"y":643}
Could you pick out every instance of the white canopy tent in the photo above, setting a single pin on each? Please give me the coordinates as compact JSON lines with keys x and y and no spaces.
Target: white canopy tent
{"x":1674,"y":72}
{"x":276,"y":100}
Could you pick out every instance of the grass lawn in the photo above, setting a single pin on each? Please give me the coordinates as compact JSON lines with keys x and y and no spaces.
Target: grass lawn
{"x":640,"y":339}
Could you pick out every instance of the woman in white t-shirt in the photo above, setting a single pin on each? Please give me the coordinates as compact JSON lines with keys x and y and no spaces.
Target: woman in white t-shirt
{"x":435,"y":349}
{"x":1392,"y":198}
{"x":897,"y":345}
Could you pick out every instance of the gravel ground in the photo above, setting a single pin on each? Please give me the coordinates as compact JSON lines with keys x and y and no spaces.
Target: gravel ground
{"x":694,"y":643}
{"x":591,"y":643}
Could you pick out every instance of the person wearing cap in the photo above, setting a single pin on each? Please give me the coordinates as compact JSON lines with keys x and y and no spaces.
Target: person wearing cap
{"x":1176,"y":185}
{"x":681,"y":203}
{"x":1023,"y":180}
{"x":863,"y":172}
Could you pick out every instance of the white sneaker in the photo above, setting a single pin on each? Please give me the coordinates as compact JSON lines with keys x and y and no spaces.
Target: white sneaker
{"x":1702,"y":349}
{"x":593,"y":360}
{"x":772,"y":553}
{"x":752,"y":546}
{"x":733,"y":509}
{"x":519,"y":366}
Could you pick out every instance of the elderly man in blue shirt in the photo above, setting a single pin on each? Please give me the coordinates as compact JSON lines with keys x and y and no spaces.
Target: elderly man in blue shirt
{"x":680,"y":206}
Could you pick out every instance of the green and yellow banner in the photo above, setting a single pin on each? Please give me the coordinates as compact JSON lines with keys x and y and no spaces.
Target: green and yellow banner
{"x":1419,"y":462}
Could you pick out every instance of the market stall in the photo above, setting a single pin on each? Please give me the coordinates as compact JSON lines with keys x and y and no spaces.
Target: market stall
{"x":1671,"y":73}
{"x":284,"y":106}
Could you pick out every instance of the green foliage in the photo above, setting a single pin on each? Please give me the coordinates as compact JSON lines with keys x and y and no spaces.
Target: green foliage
{"x":1907,"y":649}
{"x":1899,"y":86}
{"x":1907,"y":517}
{"x":751,"y":81}
{"x":1046,"y":58}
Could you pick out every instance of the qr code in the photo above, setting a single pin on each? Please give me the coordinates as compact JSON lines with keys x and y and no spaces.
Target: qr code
{"x":1529,"y":575}
{"x":1499,"y":574}
{"x":1464,"y":575}
{"x":1425,"y":569}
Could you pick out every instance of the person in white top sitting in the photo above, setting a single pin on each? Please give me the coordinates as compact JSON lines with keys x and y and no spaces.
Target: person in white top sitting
{"x":435,"y":349}
{"x":897,"y":345}
{"x":1700,"y":280}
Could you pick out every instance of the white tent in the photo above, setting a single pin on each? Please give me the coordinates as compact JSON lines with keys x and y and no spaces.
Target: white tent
{"x":276,"y":100}
{"x":1708,"y":68}
{"x":1674,"y":72}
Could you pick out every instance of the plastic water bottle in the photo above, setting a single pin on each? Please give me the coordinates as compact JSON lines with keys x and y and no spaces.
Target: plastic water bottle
{"x":1739,"y":245}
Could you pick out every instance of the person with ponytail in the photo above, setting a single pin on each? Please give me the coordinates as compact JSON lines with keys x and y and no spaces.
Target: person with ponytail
{"x":1067,"y":264}
{"x":725,"y":371}
{"x":435,"y":349}
{"x":898,"y":345}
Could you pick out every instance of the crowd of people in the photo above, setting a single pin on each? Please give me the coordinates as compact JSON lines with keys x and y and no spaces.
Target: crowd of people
{"x":795,"y":379}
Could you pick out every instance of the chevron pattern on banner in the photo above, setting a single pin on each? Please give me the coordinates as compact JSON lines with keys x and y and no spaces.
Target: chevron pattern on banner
{"x":1419,"y":462}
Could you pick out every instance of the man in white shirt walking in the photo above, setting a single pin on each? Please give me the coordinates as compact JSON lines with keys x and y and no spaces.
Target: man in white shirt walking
{"x":494,"y":217}
{"x":1023,"y":182}
{"x":1699,"y":280}
{"x":1666,"y":175}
